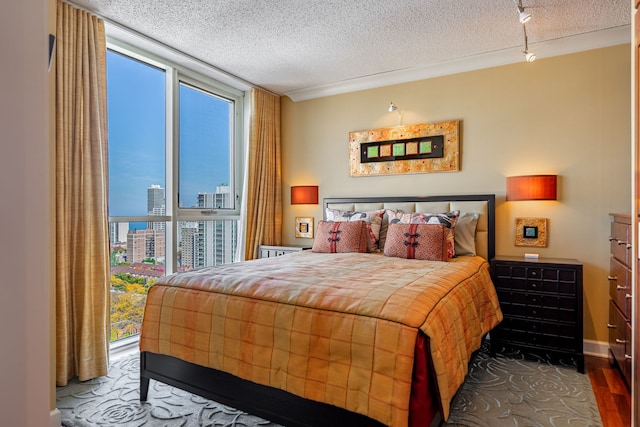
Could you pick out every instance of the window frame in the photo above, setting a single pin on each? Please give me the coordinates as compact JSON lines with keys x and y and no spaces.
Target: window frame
{"x":175,"y":74}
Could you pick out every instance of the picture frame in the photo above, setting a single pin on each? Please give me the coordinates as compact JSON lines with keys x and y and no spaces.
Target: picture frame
{"x":419,"y":148}
{"x":304,"y":227}
{"x":531,"y":232}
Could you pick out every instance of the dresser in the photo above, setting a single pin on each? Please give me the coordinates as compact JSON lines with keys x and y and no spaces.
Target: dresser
{"x":267,"y":251}
{"x":541,"y":301}
{"x":620,"y":293}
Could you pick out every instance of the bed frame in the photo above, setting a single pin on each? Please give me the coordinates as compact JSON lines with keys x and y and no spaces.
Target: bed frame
{"x":270,"y":403}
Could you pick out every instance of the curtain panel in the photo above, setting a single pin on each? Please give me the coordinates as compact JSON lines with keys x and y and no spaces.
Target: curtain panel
{"x":264,"y":192}
{"x":82,"y":245}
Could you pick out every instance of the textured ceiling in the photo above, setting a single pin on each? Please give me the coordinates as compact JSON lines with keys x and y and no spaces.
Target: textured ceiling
{"x":302,"y":46}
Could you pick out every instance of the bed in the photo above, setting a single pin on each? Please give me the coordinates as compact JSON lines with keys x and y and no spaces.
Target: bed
{"x":315,"y":338}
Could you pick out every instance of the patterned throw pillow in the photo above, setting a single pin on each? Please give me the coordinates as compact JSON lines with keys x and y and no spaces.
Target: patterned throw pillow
{"x":372,"y":218}
{"x":417,"y":241}
{"x":341,"y":237}
{"x":448,"y":219}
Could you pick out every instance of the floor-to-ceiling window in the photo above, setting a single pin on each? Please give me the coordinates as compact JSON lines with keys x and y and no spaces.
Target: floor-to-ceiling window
{"x":174,"y":177}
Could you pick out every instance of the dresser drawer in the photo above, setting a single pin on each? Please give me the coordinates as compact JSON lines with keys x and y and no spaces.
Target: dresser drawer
{"x":620,"y":340}
{"x":620,"y":242}
{"x":620,"y":289}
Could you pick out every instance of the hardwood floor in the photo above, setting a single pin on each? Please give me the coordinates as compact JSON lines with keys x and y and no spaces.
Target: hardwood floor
{"x":612,"y":393}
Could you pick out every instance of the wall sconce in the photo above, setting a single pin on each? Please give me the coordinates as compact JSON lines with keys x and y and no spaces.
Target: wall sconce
{"x":393,"y":107}
{"x":532,"y":187}
{"x":304,"y":195}
{"x":532,"y":231}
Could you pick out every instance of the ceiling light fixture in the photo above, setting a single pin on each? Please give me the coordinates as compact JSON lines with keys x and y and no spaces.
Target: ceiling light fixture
{"x":523,"y":16}
{"x":392,"y":107}
{"x":528,"y":56}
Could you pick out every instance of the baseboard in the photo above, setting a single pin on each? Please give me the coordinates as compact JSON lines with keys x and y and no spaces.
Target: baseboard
{"x":595,"y":348}
{"x":55,"y":418}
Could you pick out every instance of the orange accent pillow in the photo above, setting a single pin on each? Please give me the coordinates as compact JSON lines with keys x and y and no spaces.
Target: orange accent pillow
{"x":417,"y":241}
{"x":340,"y":237}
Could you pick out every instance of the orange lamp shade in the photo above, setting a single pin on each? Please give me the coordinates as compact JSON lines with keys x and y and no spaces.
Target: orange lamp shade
{"x":532,"y":187}
{"x":304,"y":195}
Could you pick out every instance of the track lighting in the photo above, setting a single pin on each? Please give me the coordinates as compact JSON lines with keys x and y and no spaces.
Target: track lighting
{"x":528,"y":56}
{"x":524,"y":16}
{"x":392,"y":107}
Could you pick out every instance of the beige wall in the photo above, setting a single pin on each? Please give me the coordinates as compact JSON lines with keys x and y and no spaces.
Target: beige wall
{"x":568,"y":115}
{"x":25,"y":218}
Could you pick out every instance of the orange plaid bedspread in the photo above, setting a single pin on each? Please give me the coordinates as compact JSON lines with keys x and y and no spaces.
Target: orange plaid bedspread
{"x":336,"y":328}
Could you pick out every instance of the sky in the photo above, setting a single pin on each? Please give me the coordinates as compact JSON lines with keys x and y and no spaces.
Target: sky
{"x":136,"y":140}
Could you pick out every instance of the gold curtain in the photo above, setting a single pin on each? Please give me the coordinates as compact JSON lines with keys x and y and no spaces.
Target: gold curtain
{"x":264,"y":194}
{"x":82,"y":245}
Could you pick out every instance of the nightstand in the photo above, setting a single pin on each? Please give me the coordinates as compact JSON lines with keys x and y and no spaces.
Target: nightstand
{"x":266,"y":251}
{"x":541,"y":301}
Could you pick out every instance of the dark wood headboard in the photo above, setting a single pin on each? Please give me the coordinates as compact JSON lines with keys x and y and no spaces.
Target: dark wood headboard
{"x":484,"y":204}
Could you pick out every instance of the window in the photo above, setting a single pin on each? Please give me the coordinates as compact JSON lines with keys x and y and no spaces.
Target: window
{"x":174,"y":174}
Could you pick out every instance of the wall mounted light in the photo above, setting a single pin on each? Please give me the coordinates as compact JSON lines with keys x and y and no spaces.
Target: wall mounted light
{"x":532,"y":187}
{"x":304,"y":195}
{"x":393,"y":107}
{"x":532,"y":231}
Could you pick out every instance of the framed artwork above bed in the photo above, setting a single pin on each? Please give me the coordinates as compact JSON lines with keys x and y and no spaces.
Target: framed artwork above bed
{"x":421,"y":148}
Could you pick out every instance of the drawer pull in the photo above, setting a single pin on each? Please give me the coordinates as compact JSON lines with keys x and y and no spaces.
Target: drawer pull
{"x":621,"y":288}
{"x":628,"y":296}
{"x":629,"y":246}
{"x":610,"y":326}
{"x":612,"y":278}
{"x":611,"y":239}
{"x":533,"y":273}
{"x":626,"y":356}
{"x":620,"y":243}
{"x":619,"y":341}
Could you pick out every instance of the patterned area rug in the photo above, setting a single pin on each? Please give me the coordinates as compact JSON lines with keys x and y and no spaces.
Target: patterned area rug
{"x":511,"y":390}
{"x":501,"y":391}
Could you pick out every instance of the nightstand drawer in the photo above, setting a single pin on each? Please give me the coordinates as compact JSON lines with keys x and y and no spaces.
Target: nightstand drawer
{"x":268,"y":251}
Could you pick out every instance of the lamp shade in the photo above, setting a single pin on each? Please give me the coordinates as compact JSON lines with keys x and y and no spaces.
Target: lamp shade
{"x":304,"y":195}
{"x":532,"y":187}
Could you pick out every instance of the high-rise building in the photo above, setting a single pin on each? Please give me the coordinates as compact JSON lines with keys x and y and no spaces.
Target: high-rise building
{"x":143,"y":244}
{"x":188,"y":239}
{"x":118,"y":232}
{"x":156,"y":206}
{"x":215,"y":241}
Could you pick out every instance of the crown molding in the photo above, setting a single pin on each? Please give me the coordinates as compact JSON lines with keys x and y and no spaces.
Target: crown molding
{"x":547,"y":49}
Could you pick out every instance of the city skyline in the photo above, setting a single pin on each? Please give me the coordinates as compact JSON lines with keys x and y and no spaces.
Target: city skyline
{"x":136,"y":126}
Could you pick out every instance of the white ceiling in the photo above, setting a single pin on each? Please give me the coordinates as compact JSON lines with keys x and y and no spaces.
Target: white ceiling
{"x":311,"y":48}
